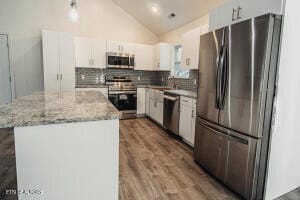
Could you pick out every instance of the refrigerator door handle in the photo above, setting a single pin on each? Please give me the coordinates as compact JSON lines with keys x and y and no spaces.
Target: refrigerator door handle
{"x":224,"y":78}
{"x":229,"y":136}
{"x":218,"y":77}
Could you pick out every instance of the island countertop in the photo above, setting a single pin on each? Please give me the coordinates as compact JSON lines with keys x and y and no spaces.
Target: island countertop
{"x":52,"y":108}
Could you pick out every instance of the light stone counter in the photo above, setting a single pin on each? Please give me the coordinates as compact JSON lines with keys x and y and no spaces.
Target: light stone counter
{"x":52,"y":108}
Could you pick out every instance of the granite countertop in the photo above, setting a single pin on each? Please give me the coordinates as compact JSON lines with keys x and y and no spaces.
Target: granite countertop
{"x":47,"y":108}
{"x":151,"y":86}
{"x":91,"y":86}
{"x":185,"y":93}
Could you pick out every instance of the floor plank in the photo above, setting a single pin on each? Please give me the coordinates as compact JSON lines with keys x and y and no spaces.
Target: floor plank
{"x":8,"y":174}
{"x":154,"y":165}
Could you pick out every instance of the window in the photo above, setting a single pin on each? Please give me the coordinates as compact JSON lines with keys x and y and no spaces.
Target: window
{"x":178,"y":71}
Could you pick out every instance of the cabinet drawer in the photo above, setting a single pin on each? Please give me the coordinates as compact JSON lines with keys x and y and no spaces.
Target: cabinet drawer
{"x":186,"y":101}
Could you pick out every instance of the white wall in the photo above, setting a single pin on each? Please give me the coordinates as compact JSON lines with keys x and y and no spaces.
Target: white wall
{"x":284,"y":164}
{"x":24,"y":19}
{"x":175,"y":35}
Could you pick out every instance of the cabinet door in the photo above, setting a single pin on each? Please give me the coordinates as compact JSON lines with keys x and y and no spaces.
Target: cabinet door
{"x":249,"y":9}
{"x":141,"y":101}
{"x":185,"y":126}
{"x":51,"y":61}
{"x":156,"y":111}
{"x":160,"y":113}
{"x":164,"y":56}
{"x":192,"y":140}
{"x":98,"y":53}
{"x":156,"y":56}
{"x":128,"y":48}
{"x":190,"y":48}
{"x":143,"y":57}
{"x":67,"y":62}
{"x":83,"y":52}
{"x":113,"y":46}
{"x":147,"y":102}
{"x":223,"y":15}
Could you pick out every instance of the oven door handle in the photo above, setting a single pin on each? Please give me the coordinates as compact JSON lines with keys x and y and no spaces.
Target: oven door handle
{"x":123,"y":92}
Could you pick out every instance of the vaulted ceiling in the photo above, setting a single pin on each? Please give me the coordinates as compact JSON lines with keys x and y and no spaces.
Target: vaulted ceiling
{"x":154,"y":13}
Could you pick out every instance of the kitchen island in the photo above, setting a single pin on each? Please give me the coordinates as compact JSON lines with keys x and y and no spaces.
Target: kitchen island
{"x":67,"y":145}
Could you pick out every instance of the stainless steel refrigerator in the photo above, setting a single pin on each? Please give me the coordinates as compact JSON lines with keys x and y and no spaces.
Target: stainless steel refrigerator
{"x":237,"y":83}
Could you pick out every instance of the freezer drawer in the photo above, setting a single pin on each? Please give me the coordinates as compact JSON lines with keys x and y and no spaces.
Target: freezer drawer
{"x":228,"y":156}
{"x":210,"y":151}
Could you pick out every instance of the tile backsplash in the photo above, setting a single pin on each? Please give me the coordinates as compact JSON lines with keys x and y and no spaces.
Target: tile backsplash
{"x":94,"y":75}
{"x":190,"y":83}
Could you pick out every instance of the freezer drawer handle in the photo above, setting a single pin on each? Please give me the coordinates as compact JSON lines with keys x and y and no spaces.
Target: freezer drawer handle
{"x":231,"y":137}
{"x":170,"y":98}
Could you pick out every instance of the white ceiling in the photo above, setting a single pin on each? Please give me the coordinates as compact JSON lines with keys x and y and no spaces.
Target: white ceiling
{"x":159,"y":23}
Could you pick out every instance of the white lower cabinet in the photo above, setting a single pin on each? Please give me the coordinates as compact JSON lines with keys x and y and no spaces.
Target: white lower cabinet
{"x":147,"y":101}
{"x":104,"y":91}
{"x":187,"y":119}
{"x":156,"y":106}
{"x":141,"y":101}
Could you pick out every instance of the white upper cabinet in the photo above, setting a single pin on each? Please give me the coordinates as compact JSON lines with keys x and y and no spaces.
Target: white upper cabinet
{"x":98,"y":53}
{"x":222,"y":15}
{"x":238,"y":10}
{"x":90,"y":52}
{"x":143,"y":57}
{"x":120,"y":47}
{"x":58,"y":61}
{"x":67,"y":62}
{"x":162,"y":57}
{"x":190,"y":47}
{"x":51,"y":61}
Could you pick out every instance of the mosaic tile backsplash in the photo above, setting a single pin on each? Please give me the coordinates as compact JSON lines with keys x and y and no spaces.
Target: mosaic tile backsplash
{"x":95,"y":76}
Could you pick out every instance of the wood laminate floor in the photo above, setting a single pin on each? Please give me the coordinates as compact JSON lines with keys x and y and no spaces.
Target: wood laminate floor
{"x":8,"y":174}
{"x":154,"y":165}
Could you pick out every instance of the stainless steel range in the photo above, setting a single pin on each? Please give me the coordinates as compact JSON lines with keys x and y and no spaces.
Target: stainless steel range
{"x":122,"y":94}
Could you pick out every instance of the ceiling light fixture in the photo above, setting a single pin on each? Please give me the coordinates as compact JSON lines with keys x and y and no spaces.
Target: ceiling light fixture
{"x":73,"y":13}
{"x":172,"y":15}
{"x":154,"y":9}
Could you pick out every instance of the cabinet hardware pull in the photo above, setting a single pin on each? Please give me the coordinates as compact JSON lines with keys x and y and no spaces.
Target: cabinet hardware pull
{"x":57,"y":76}
{"x":238,"y":12}
{"x":61,"y":76}
{"x":233,"y":13}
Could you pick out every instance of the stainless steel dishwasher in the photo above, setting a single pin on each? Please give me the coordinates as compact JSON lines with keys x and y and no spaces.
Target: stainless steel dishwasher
{"x":171,"y":112}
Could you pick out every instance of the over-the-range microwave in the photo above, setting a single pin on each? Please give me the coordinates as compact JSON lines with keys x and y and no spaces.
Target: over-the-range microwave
{"x":120,"y":60}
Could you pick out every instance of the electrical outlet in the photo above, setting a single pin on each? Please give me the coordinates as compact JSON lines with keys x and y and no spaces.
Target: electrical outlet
{"x":139,"y":78}
{"x":195,"y":81}
{"x":82,"y":77}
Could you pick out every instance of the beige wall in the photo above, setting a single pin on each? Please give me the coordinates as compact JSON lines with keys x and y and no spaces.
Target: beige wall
{"x":24,"y":20}
{"x":175,"y":35}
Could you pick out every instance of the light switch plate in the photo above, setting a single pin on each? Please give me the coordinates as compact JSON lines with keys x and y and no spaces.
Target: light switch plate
{"x":82,"y":77}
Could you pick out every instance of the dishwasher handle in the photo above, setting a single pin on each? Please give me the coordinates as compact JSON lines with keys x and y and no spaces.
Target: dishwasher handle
{"x":170,"y":98}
